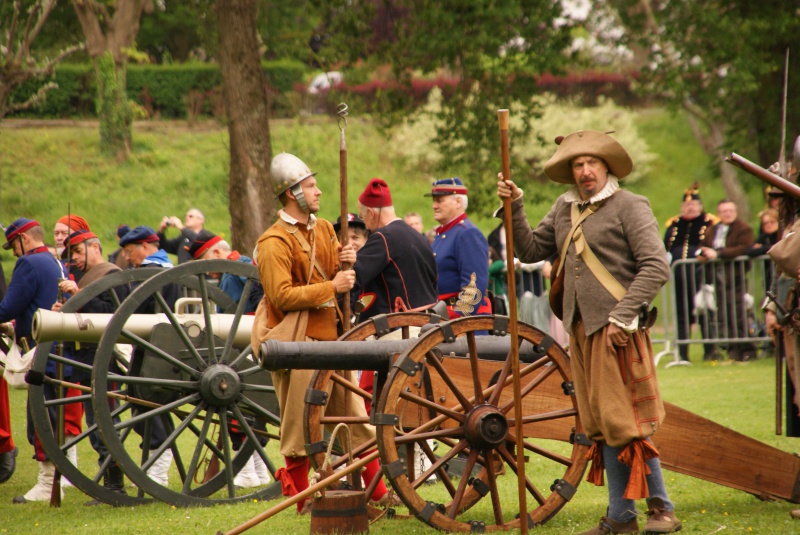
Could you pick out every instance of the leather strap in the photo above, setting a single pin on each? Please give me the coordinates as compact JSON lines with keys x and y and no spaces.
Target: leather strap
{"x":593,"y":263}
{"x":310,"y":251}
{"x":592,"y":208}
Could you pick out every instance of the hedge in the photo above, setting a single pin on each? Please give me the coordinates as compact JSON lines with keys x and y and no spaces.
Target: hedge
{"x":163,"y":90}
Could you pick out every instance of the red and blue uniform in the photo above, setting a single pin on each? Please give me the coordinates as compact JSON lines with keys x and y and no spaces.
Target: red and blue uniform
{"x":461,"y":249}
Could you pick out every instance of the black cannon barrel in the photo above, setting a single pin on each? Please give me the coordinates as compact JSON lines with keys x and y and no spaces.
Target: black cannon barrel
{"x":377,"y":355}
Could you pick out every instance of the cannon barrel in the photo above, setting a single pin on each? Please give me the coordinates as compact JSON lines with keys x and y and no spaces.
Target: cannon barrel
{"x":764,"y":174}
{"x":376,"y":355}
{"x":49,"y":326}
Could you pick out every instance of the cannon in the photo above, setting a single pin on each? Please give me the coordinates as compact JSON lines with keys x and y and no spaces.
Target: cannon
{"x":142,"y":388}
{"x":442,"y":398}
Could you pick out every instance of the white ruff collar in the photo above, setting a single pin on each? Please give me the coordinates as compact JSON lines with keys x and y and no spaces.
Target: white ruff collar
{"x":608,"y":190}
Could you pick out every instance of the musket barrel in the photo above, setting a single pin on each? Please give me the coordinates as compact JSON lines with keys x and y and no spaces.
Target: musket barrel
{"x":764,"y":174}
{"x":374,"y":355}
{"x":49,"y":326}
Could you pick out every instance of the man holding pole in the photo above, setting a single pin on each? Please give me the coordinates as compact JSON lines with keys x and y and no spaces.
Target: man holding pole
{"x":613,"y":262}
{"x":299,"y":262}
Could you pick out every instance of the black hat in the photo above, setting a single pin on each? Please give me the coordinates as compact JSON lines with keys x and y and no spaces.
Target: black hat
{"x":204,"y":241}
{"x":352,"y":221}
{"x":693,"y":193}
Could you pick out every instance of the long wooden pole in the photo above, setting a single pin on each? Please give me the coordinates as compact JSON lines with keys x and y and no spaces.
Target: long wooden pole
{"x":344,"y":236}
{"x":502,"y":117}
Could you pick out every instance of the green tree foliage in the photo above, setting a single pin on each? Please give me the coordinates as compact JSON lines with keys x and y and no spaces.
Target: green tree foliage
{"x":494,"y":49}
{"x":722,"y":62}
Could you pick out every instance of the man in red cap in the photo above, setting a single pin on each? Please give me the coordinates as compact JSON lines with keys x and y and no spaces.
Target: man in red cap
{"x":87,"y":255}
{"x":65,"y":226}
{"x":395,"y":269}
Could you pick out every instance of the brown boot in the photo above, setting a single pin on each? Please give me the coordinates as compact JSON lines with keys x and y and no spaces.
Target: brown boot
{"x":659,"y":520}
{"x":608,"y":526}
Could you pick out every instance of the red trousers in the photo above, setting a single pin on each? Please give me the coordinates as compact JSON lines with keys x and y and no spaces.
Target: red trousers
{"x":6,"y":441}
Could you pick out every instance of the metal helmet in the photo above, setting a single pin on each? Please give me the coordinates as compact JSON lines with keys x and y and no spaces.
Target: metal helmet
{"x":287,"y":170}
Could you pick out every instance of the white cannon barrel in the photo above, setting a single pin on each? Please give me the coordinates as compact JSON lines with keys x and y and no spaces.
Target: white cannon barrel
{"x":49,"y":326}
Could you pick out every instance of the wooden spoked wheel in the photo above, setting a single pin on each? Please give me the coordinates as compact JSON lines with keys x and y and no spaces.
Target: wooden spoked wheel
{"x":471,"y":411}
{"x":402,"y":325}
{"x":190,"y":389}
{"x":88,"y":474}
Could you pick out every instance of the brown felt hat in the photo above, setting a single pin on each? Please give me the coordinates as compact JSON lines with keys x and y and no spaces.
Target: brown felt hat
{"x":587,"y":143}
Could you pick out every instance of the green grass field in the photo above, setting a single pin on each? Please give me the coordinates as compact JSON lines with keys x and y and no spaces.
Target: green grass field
{"x":173,"y":168}
{"x":737,"y":396}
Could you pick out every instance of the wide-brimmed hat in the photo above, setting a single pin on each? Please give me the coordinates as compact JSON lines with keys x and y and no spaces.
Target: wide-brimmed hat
{"x":587,"y":143}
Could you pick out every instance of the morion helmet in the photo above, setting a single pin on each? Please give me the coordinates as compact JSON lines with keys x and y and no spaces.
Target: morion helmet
{"x":287,"y":170}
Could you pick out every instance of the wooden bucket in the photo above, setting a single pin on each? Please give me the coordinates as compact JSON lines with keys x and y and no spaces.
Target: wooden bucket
{"x":340,"y":512}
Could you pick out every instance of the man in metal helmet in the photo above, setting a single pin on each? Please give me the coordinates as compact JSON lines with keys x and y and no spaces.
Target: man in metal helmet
{"x":299,"y":259}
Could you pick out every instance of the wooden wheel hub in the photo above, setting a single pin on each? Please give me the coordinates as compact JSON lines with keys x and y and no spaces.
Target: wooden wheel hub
{"x":219,"y":385}
{"x":485,"y":427}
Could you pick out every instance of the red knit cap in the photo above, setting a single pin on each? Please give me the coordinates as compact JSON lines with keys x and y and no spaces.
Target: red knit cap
{"x":74,"y":222}
{"x":376,"y":194}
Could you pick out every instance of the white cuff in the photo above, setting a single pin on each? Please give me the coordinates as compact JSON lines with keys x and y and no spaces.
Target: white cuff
{"x":628,"y":328}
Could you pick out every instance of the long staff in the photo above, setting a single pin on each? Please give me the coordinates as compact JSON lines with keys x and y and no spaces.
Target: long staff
{"x":344,"y":237}
{"x":502,"y":117}
{"x":780,"y":349}
{"x":55,"y":491}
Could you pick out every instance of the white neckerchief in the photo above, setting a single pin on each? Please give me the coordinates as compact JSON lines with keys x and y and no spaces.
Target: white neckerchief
{"x":608,"y":190}
{"x":312,"y":219}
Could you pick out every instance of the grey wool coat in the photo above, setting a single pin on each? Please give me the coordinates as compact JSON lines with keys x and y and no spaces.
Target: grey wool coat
{"x":623,"y":234}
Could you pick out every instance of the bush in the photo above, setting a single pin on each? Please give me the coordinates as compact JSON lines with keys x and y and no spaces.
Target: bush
{"x":162,"y":90}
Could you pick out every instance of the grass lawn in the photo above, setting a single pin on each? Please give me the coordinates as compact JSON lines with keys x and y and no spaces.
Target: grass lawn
{"x":738,"y":396}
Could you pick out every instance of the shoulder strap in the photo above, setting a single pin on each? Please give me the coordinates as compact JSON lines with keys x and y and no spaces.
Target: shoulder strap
{"x":309,"y":250}
{"x":577,"y":218}
{"x":595,"y":266}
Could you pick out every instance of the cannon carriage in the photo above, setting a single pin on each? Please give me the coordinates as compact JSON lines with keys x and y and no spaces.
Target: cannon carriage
{"x":443,"y":395}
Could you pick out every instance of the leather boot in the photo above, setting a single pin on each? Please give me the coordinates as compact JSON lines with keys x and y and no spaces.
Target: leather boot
{"x":113,"y":480}
{"x":608,"y":526}
{"x":659,"y":520}
{"x":44,"y":485}
{"x":8,"y":463}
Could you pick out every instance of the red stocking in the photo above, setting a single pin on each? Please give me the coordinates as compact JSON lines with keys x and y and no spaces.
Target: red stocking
{"x":371,"y":470}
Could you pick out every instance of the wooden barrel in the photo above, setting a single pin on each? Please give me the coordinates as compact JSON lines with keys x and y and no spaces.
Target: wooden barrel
{"x":340,"y":512}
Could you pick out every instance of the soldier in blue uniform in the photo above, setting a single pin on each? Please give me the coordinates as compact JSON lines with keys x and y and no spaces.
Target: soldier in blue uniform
{"x":34,"y":285}
{"x":461,"y":250}
{"x":682,"y":241}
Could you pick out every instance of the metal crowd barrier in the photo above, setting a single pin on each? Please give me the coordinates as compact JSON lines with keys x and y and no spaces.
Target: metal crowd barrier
{"x":724,"y":298}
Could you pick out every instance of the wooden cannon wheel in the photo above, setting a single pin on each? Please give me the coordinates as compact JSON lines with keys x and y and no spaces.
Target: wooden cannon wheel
{"x":402,"y":326}
{"x":87,"y":476}
{"x":475,"y":418}
{"x":200,"y":388}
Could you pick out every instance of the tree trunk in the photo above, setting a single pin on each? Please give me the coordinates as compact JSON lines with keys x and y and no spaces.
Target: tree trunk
{"x":711,"y":137}
{"x":114,"y":109}
{"x":251,"y":202}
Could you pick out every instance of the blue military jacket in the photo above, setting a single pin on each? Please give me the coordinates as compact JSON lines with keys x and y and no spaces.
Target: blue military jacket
{"x":34,"y":285}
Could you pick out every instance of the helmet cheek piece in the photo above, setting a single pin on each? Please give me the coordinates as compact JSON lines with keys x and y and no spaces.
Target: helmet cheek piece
{"x":299,"y":196}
